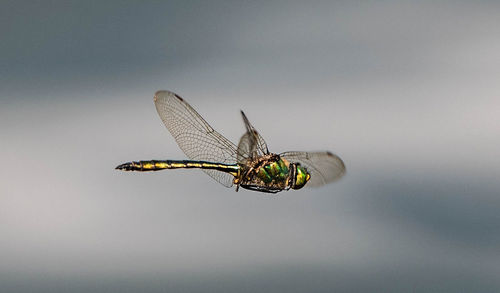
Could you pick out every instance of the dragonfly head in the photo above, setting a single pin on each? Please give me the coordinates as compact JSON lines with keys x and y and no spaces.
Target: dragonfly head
{"x":300,"y":178}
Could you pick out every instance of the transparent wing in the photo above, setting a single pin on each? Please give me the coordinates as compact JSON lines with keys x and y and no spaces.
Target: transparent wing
{"x":246,"y":148}
{"x":324,"y":167}
{"x":195,"y":137}
{"x":251,"y":144}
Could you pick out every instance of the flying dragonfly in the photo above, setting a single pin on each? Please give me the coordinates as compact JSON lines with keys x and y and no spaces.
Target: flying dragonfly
{"x":249,"y":165}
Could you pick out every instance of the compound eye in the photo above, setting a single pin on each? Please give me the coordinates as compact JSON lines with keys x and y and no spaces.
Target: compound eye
{"x":301,"y":177}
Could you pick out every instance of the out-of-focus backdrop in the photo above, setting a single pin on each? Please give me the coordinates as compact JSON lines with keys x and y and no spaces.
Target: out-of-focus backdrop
{"x":407,"y":93}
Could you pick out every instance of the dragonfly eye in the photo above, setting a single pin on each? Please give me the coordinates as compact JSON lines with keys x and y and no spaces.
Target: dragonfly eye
{"x":301,"y":177}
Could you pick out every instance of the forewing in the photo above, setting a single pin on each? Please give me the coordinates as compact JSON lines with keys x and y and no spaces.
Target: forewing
{"x":251,"y":144}
{"x":195,"y":137}
{"x":246,"y":148}
{"x":324,"y":167}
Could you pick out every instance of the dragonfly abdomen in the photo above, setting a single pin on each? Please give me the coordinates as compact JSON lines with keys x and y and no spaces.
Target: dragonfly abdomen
{"x":157,"y":165}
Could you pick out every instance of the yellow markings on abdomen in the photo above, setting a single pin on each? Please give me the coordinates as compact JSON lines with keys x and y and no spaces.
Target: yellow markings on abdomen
{"x":154,"y":165}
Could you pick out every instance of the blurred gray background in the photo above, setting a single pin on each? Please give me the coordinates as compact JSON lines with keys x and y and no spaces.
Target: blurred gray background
{"x":406,"y":92}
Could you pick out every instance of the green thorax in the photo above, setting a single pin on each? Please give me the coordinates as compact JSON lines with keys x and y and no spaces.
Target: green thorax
{"x":274,"y":172}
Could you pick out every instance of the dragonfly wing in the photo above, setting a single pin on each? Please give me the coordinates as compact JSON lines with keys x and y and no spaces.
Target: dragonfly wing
{"x":324,"y":167}
{"x":195,"y":137}
{"x":246,"y":148}
{"x":252,"y":144}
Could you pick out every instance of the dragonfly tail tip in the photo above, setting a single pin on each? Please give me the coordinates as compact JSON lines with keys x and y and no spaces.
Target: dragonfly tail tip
{"x":121,"y":167}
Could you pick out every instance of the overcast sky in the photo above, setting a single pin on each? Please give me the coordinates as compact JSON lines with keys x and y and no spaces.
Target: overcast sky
{"x":405,"y":92}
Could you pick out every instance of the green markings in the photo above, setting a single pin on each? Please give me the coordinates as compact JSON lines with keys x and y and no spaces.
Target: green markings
{"x":301,"y":177}
{"x":275,"y":171}
{"x":264,"y":175}
{"x":284,"y":169}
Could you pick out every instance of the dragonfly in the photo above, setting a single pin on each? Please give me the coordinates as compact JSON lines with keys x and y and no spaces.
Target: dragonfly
{"x":249,"y":164}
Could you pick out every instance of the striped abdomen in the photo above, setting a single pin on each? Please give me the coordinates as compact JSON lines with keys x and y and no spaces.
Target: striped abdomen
{"x":156,"y":165}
